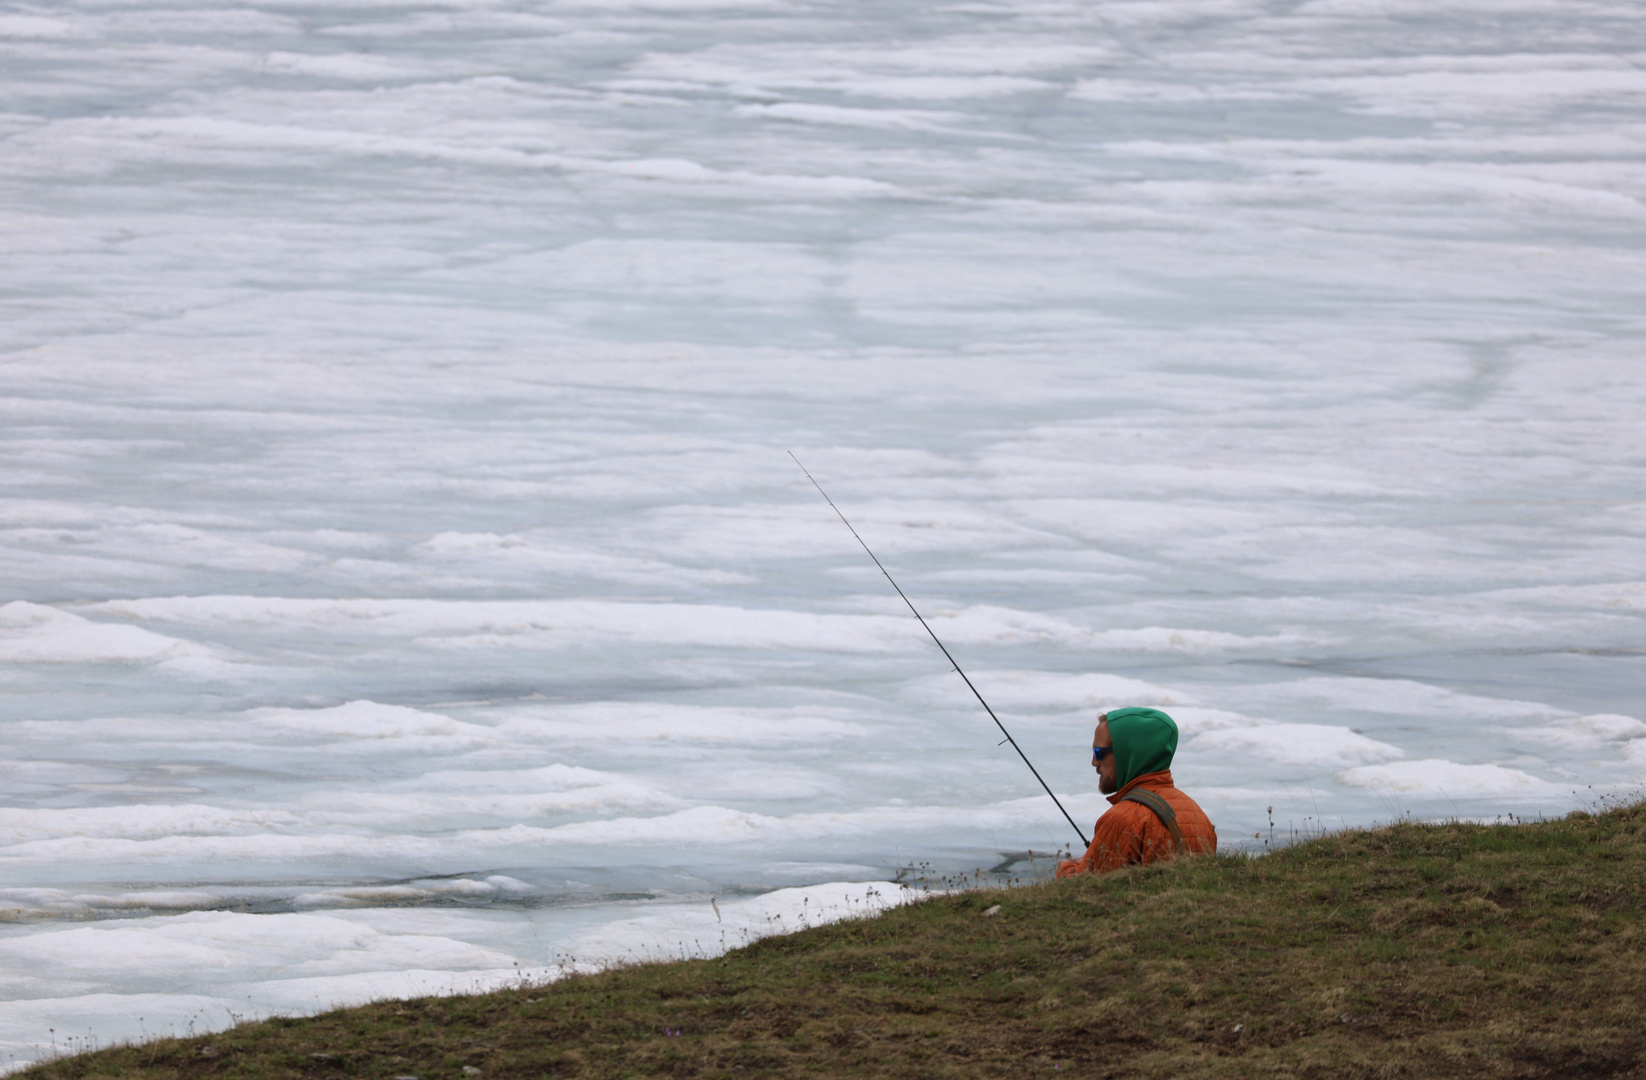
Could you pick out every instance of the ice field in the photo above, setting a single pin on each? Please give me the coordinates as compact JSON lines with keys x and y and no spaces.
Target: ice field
{"x":406,"y":585}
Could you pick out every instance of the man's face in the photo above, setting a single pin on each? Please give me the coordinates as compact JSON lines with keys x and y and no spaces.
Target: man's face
{"x":1105,"y":768}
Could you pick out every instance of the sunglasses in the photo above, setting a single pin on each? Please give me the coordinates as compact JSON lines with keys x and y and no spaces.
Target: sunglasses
{"x":1099,"y":752}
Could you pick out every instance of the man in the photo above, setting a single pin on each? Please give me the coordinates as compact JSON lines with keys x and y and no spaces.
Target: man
{"x":1150,"y":819}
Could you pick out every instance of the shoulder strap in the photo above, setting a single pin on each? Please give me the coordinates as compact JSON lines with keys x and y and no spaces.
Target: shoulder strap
{"x":1162,"y":810}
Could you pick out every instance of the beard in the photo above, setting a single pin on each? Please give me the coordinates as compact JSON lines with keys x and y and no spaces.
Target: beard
{"x":1106,"y":785}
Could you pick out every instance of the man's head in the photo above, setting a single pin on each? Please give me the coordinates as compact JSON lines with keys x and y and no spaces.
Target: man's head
{"x":1103,"y":744}
{"x":1132,"y":742}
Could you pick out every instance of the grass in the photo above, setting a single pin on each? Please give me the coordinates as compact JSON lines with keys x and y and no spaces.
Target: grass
{"x":1415,"y":950}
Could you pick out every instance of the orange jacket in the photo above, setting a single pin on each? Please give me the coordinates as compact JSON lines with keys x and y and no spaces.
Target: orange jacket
{"x":1130,"y":833}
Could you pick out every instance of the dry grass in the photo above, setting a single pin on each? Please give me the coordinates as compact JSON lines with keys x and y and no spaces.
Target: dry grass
{"x":1410,"y":951}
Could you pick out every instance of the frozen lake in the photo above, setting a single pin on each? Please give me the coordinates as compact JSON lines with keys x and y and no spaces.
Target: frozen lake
{"x":406,"y":583}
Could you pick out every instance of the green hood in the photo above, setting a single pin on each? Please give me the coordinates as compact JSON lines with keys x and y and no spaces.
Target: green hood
{"x":1144,"y":742}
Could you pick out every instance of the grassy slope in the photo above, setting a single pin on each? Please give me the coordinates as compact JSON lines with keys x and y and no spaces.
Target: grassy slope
{"x":1415,"y":950}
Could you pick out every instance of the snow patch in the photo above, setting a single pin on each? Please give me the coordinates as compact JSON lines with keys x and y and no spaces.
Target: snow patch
{"x":1309,"y":745}
{"x":37,"y":634}
{"x":1448,"y":778}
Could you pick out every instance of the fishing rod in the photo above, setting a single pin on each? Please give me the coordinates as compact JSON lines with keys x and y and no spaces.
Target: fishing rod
{"x":1083,"y":841}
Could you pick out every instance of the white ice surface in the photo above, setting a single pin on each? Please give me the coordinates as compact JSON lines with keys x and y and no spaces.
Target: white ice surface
{"x":405,"y":577}
{"x":1449,"y":779}
{"x":204,"y":970}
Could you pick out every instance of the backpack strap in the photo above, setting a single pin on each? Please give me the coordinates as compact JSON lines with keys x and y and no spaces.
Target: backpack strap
{"x":1162,"y":810}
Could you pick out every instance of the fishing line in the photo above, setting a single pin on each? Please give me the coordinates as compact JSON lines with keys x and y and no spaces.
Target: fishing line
{"x":1008,"y":739}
